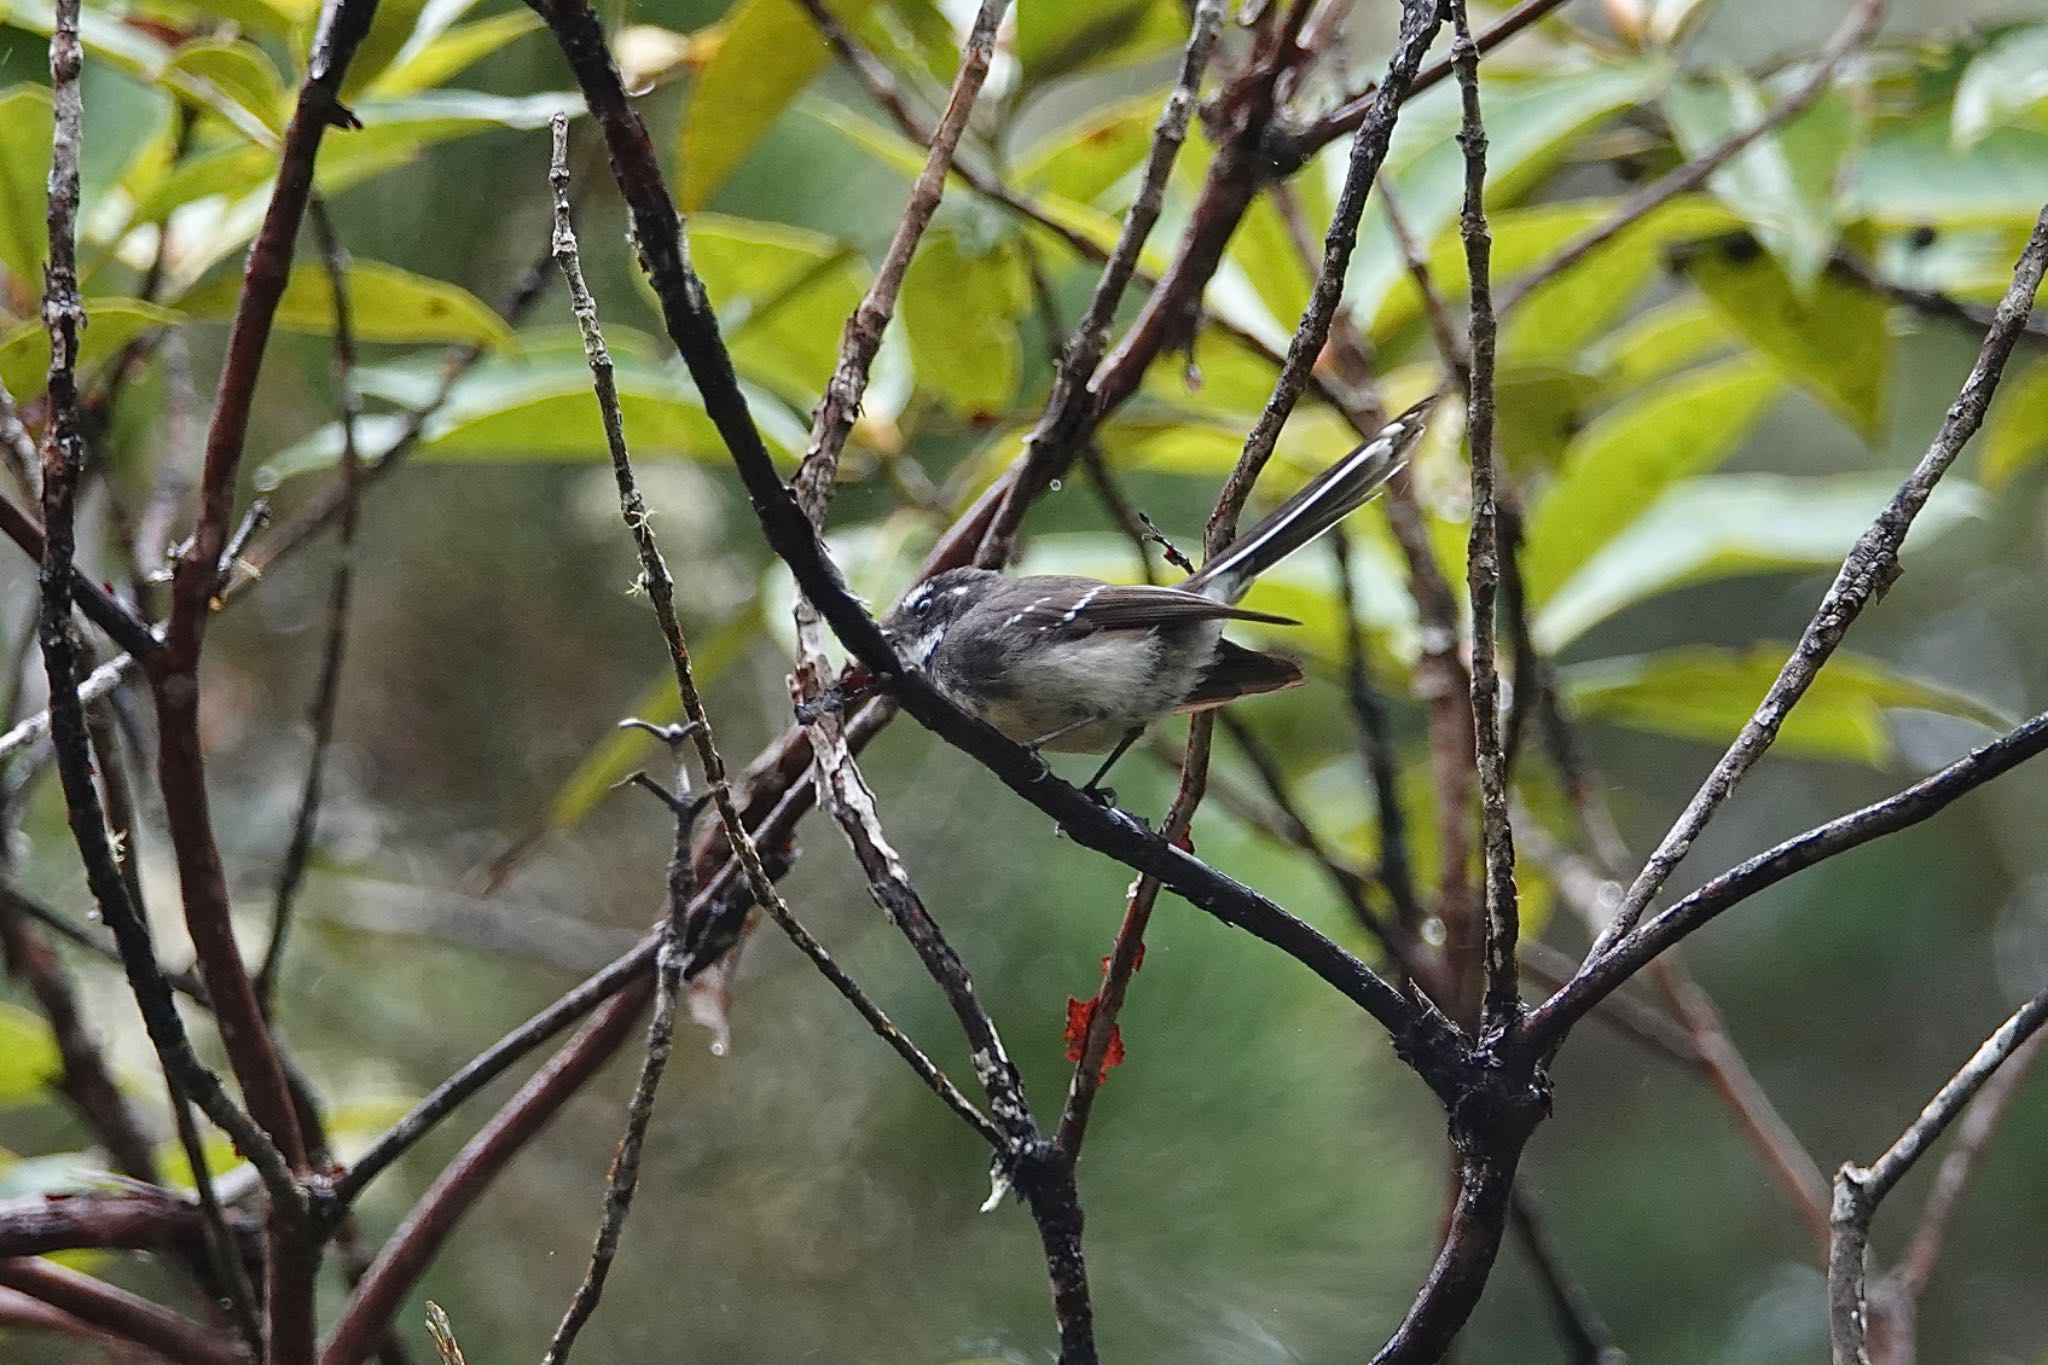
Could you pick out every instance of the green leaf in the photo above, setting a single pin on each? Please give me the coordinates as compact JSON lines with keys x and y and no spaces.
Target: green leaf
{"x":1783,"y":184}
{"x":26,"y":122}
{"x":1621,"y":463}
{"x":110,"y":325}
{"x":522,"y":409}
{"x":2017,"y":433}
{"x":1662,"y":339}
{"x":1835,"y":340}
{"x":105,"y":36}
{"x":906,"y":159}
{"x":783,"y":297}
{"x":621,"y":751}
{"x":29,"y":1059}
{"x":1265,"y":251}
{"x":52,"y":1176}
{"x":1729,"y":525}
{"x":1707,"y":693}
{"x":386,"y":303}
{"x":771,"y":51}
{"x":1538,"y":408}
{"x":1531,"y":122}
{"x":1058,"y":37}
{"x":1569,"y":310}
{"x":2005,"y":83}
{"x":1912,"y":175}
{"x":960,"y":305}
{"x":391,"y":28}
{"x":1083,"y":159}
{"x":234,"y":79}
{"x":422,"y":66}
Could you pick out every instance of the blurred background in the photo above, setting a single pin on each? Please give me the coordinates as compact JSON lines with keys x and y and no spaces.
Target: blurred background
{"x":1264,"y":1182}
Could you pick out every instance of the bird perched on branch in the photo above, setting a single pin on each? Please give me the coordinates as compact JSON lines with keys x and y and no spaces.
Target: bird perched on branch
{"x":1074,"y":664}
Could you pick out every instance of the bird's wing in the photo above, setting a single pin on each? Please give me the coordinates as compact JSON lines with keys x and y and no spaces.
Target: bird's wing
{"x":1110,"y":606}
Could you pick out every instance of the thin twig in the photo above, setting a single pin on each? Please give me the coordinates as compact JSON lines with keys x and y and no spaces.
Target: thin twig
{"x":1074,"y":406}
{"x":341,"y":588}
{"x":1869,"y":570}
{"x":1860,"y":24}
{"x":1860,"y":1189}
{"x":1298,"y":145}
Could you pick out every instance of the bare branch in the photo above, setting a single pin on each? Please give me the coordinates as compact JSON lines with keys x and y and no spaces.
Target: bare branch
{"x":1860,"y":1189}
{"x":1871,"y":568}
{"x":63,"y":461}
{"x":1502,"y":1003}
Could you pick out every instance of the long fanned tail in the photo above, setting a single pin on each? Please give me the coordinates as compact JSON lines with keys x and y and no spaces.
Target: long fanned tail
{"x":1327,"y":499}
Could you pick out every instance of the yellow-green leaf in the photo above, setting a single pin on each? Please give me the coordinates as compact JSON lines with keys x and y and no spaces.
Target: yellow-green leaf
{"x":960,"y":306}
{"x":110,"y":325}
{"x":1833,"y":339}
{"x":1731,"y":524}
{"x":783,"y":297}
{"x":1629,"y":455}
{"x":1706,"y":693}
{"x":421,"y":66}
{"x":1056,"y":37}
{"x":386,"y":304}
{"x":234,"y":79}
{"x":771,"y":51}
{"x":29,"y":1059}
{"x":2017,"y":433}
{"x":26,"y":121}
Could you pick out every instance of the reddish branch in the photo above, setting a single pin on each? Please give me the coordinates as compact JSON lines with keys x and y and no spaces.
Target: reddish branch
{"x":120,"y":1313}
{"x":397,"y":1267}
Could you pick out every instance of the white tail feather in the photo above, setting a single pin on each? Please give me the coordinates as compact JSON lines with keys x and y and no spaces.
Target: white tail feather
{"x":1327,"y":499}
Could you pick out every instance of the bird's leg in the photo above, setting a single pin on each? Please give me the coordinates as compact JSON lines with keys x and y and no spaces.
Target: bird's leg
{"x":1095,"y":790}
{"x":1083,"y":723}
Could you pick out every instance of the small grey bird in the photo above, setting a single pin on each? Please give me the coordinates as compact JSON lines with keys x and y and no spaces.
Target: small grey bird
{"x":1074,"y":664}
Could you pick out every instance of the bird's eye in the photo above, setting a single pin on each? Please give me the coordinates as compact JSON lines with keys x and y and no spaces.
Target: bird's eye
{"x":922,"y":606}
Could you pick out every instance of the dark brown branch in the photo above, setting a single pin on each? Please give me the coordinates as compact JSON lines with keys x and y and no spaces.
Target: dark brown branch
{"x":131,"y":1220}
{"x":1870,"y":569}
{"x":341,"y":588}
{"x":1502,"y":1003}
{"x":1551,"y":1020}
{"x":1860,"y":1189}
{"x":98,"y":605}
{"x":195,"y":583}
{"x":1074,"y":405}
{"x":119,"y":1312}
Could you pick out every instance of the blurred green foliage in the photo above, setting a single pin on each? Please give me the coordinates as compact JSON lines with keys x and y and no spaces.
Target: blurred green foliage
{"x":1700,"y":417}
